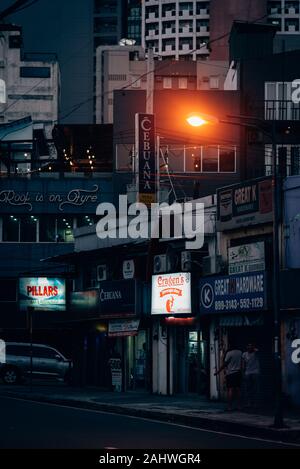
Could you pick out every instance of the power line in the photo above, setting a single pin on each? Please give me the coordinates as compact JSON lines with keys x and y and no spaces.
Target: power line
{"x":164,"y":65}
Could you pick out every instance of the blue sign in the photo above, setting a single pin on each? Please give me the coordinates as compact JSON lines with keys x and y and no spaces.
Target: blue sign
{"x":233,"y":293}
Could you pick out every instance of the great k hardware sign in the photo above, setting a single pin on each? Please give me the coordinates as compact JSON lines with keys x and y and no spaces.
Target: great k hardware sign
{"x":145,"y":149}
{"x":245,"y":204}
{"x":233,"y":293}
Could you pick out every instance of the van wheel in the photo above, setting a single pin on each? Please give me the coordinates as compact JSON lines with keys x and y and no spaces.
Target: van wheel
{"x":10,"y":375}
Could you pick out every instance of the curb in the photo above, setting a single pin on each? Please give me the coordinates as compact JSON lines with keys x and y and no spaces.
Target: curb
{"x":281,"y":435}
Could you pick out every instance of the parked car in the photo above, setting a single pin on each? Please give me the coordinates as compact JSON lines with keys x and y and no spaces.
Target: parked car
{"x":46,"y":362}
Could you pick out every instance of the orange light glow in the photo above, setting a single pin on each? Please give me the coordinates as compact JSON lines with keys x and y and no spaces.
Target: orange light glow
{"x":197,"y":119}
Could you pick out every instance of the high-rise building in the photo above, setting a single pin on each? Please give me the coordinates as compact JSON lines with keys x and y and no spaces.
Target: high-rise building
{"x":175,"y":28}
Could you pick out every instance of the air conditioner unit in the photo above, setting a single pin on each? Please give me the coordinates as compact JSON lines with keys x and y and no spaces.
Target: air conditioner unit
{"x":101,"y":272}
{"x":160,"y":264}
{"x":186,"y":261}
{"x":165,"y":263}
{"x":211,"y":265}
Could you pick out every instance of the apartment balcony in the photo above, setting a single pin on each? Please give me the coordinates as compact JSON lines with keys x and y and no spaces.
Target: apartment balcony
{"x":202,"y":12}
{"x":182,"y":32}
{"x":152,"y":17}
{"x":169,"y":14}
{"x":186,"y":13}
{"x":168,"y":32}
{"x":152,"y":33}
{"x":282,"y":110}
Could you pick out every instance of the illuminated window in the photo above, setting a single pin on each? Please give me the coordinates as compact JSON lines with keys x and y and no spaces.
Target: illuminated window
{"x":167,"y":82}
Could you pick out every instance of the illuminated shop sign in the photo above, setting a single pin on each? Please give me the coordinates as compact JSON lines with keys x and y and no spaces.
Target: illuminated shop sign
{"x":42,"y":293}
{"x":245,"y":204}
{"x":171,"y":294}
{"x":233,"y":293}
{"x":145,"y":146}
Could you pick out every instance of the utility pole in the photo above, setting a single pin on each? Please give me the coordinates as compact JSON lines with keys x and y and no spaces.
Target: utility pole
{"x":278,"y":416}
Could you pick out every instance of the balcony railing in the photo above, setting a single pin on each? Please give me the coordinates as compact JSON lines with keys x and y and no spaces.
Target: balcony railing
{"x":282,"y":110}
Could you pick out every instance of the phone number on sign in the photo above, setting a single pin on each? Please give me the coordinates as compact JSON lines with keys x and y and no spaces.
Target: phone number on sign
{"x":243,"y":303}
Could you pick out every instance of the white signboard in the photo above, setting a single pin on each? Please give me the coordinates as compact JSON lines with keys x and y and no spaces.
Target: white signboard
{"x":128,"y":269}
{"x":171,"y":294}
{"x":246,"y":258}
{"x":122,"y":328}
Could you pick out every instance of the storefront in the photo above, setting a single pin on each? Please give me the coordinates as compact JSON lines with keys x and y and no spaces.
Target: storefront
{"x":236,"y":307}
{"x":116,"y":334}
{"x":178,"y":344}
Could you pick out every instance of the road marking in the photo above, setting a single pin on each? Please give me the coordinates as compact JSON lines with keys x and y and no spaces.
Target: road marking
{"x":180,"y":425}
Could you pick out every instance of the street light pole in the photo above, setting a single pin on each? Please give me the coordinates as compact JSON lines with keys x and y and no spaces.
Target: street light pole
{"x":198,"y":121}
{"x":278,"y":415}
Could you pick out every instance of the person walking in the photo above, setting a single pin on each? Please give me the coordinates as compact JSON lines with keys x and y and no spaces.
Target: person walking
{"x":251,"y":367}
{"x":233,"y":375}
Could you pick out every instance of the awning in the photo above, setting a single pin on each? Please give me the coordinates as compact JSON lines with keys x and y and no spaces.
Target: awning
{"x":241,"y":320}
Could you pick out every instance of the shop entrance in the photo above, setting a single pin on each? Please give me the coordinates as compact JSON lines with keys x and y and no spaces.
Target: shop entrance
{"x":137,"y":361}
{"x":190,"y":373}
{"x":133,"y":353}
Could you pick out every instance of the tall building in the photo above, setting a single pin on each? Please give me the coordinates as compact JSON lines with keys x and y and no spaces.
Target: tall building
{"x":175,"y":28}
{"x":30,"y":83}
{"x":285,"y":14}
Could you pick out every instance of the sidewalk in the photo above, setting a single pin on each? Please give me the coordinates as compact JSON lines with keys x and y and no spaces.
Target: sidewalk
{"x":195,"y":411}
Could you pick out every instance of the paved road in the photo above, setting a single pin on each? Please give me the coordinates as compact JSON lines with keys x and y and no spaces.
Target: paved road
{"x":27,"y":424}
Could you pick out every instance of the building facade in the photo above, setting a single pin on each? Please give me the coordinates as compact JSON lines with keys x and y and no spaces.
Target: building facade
{"x":30,"y":83}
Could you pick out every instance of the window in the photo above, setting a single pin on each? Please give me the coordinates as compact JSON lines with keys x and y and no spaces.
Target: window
{"x":115,"y":77}
{"x":11,"y":227}
{"x":227,"y":160}
{"x":42,"y":228}
{"x":85,"y":220}
{"x":43,"y":352}
{"x":35,"y":72}
{"x":28,"y":228}
{"x":210,"y":159}
{"x":65,"y":229}
{"x":167,"y":82}
{"x":214,"y":82}
{"x":288,"y":160}
{"x":182,"y":83}
{"x":47,"y":229}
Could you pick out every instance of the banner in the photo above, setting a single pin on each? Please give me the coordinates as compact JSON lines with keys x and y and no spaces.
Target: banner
{"x":245,"y":204}
{"x":145,"y":151}
{"x":42,"y":293}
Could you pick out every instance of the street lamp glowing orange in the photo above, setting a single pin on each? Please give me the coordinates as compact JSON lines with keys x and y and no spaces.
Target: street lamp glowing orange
{"x":197,"y":119}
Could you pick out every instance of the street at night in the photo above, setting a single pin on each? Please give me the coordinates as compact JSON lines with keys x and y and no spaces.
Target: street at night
{"x":149,"y":227}
{"x":53,"y":426}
